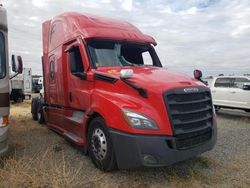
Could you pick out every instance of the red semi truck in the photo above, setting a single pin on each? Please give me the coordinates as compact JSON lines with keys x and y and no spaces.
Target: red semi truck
{"x":106,"y":91}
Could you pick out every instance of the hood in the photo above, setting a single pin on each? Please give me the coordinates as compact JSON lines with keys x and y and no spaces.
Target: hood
{"x":153,"y":78}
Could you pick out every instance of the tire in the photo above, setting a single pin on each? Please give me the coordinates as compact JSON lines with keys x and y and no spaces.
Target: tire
{"x":34,"y":104}
{"x":100,"y":147}
{"x":40,"y":115}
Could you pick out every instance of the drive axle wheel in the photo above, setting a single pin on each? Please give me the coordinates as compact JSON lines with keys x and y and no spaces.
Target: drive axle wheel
{"x":34,"y":104}
{"x":40,"y":115}
{"x":100,"y":146}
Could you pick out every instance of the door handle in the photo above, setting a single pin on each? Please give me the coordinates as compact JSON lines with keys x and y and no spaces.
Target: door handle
{"x":233,"y":92}
{"x":213,"y":91}
{"x":70,"y":96}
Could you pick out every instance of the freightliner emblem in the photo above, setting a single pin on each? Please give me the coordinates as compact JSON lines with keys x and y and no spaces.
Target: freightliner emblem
{"x":191,"y":90}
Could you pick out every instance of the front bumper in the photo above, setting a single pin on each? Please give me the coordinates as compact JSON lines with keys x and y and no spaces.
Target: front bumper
{"x":4,"y":132}
{"x":134,"y":151}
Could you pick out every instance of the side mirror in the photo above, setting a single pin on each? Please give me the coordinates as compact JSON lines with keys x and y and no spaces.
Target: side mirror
{"x":197,"y":74}
{"x":20,"y":65}
{"x":81,"y":75}
{"x":17,"y":68}
{"x":246,"y":86}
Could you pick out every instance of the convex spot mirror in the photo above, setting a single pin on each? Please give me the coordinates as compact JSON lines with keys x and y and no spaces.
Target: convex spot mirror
{"x":246,"y":86}
{"x":17,"y":67}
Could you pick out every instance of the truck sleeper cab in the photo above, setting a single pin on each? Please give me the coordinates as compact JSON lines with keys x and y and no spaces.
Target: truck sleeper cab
{"x":105,"y":90}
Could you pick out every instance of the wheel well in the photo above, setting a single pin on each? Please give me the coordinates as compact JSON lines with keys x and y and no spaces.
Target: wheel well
{"x":91,"y":117}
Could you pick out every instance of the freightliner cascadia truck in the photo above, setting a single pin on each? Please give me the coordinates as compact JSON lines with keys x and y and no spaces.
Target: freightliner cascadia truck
{"x":105,"y":90}
{"x":4,"y":80}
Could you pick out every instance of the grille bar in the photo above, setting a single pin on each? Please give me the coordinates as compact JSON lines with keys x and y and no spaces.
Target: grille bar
{"x":189,"y":131}
{"x":190,"y":102}
{"x":179,"y":122}
{"x":191,"y":112}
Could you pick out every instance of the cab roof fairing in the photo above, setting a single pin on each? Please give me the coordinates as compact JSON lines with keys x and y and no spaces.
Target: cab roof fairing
{"x":3,"y":19}
{"x":73,"y":24}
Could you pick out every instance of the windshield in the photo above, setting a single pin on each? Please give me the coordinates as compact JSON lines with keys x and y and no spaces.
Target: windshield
{"x":2,"y":59}
{"x":113,"y":53}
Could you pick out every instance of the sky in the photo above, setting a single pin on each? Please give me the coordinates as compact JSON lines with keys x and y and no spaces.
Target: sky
{"x":210,"y":35}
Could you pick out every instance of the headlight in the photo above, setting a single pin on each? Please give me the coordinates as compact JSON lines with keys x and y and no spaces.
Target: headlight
{"x":3,"y":121}
{"x":139,"y":121}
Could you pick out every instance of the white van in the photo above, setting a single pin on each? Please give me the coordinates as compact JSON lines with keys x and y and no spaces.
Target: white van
{"x":231,"y":92}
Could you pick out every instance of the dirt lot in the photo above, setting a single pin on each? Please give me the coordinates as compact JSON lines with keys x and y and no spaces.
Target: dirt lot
{"x":39,"y":157}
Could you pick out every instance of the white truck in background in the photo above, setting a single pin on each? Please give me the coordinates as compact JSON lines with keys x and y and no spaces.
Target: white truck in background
{"x":231,"y":92}
{"x":21,"y":86}
{"x":36,"y":83}
{"x":40,"y":83}
{"x":5,"y":76}
{"x":27,"y":80}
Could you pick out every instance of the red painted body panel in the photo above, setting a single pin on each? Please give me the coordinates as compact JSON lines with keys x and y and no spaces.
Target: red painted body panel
{"x":69,"y":25}
{"x":95,"y":96}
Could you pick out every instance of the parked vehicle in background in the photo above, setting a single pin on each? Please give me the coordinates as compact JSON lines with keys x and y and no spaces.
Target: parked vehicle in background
{"x":4,"y":80}
{"x":27,"y":80}
{"x":36,"y":85}
{"x":21,"y":86}
{"x":40,"y":83}
{"x":106,"y":91}
{"x":16,"y":89}
{"x":231,"y":92}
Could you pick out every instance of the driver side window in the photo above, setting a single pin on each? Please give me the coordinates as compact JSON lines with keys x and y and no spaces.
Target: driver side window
{"x":75,"y":60}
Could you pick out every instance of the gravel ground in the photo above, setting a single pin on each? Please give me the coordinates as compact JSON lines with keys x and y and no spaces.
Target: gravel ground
{"x":39,"y":157}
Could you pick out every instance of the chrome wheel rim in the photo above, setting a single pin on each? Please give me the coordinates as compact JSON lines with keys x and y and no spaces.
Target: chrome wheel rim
{"x":99,"y":144}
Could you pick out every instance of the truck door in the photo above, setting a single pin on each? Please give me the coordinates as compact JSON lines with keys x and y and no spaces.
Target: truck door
{"x":220,"y":90}
{"x":52,"y":81}
{"x":78,"y":87}
{"x":238,"y":97}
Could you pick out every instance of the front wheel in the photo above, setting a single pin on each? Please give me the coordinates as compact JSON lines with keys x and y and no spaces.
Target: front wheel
{"x":101,"y":150}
